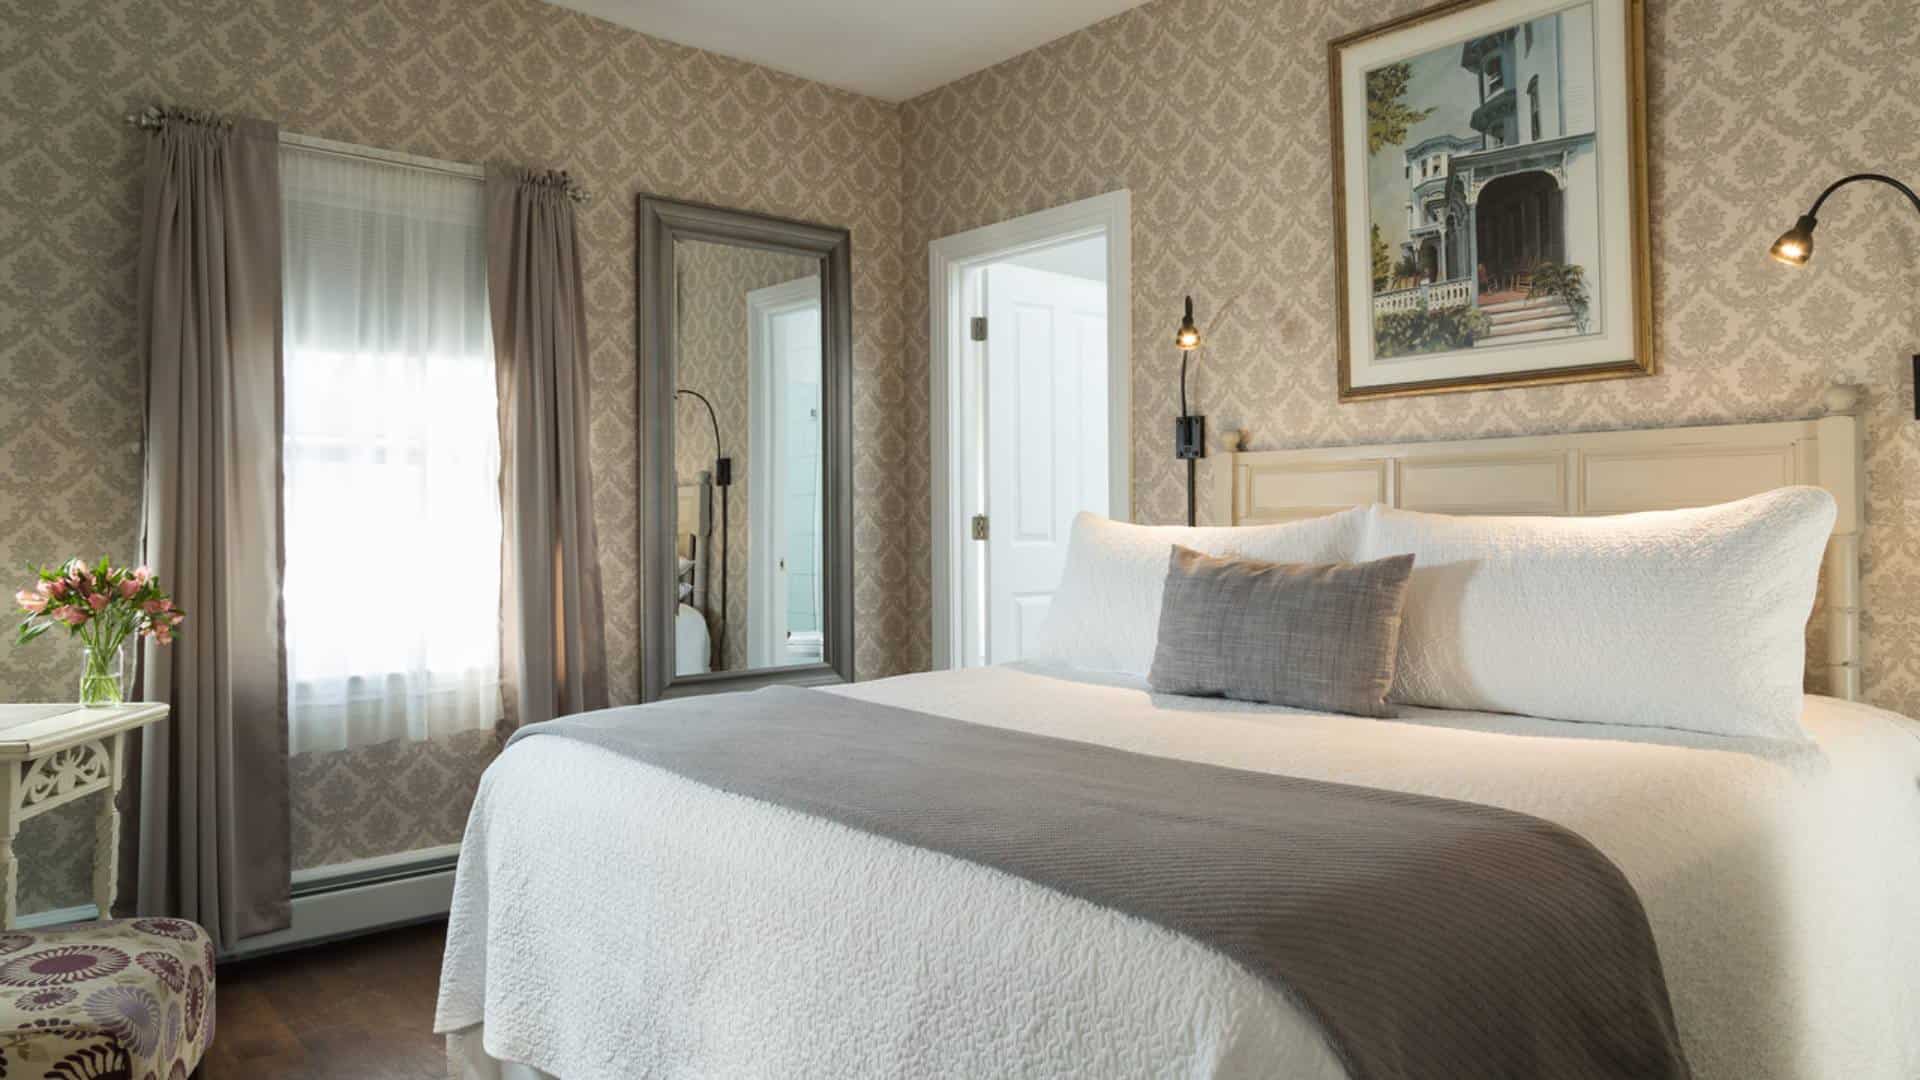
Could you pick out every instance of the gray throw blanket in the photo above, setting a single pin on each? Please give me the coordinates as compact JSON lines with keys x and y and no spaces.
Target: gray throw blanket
{"x":1427,"y":937}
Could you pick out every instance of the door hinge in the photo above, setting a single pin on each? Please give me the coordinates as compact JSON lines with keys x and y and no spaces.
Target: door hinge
{"x":977,"y":328}
{"x":979,"y":526}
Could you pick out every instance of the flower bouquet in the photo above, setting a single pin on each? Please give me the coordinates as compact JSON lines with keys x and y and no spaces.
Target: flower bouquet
{"x":102,"y":606}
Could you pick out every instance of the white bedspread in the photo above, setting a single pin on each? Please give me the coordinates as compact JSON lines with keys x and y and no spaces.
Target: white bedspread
{"x":613,"y":920}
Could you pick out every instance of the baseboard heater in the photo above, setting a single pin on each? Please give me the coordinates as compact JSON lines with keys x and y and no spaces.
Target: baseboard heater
{"x":335,"y":902}
{"x":354,"y":898}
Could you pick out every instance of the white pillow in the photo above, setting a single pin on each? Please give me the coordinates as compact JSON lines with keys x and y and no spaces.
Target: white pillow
{"x":1693,"y":619}
{"x":1106,"y":614}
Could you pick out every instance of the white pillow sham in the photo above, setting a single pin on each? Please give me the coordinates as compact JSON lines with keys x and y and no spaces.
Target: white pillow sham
{"x":1106,"y":614}
{"x":1692,"y":619}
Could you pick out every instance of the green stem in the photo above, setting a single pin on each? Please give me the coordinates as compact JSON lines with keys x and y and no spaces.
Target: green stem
{"x":104,"y":637}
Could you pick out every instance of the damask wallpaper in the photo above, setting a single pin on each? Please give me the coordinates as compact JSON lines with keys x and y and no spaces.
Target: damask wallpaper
{"x":1214,"y":114}
{"x":714,"y":282}
{"x":469,"y":80}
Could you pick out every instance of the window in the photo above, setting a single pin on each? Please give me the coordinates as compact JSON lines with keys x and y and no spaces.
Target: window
{"x":1496,"y":75}
{"x":1528,"y":34}
{"x":1533,"y":107}
{"x":392,"y":454}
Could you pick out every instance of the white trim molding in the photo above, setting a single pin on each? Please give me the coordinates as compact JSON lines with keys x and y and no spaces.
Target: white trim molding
{"x":317,"y":145}
{"x":765,"y":515}
{"x":948,"y":259}
{"x":41,"y":920}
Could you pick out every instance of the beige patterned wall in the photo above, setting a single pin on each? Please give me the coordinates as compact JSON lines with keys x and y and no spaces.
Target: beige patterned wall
{"x":714,"y":282}
{"x":1214,"y":114}
{"x":469,"y":80}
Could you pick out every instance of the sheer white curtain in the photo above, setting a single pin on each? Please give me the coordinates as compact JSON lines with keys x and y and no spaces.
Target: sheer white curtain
{"x":392,"y":584}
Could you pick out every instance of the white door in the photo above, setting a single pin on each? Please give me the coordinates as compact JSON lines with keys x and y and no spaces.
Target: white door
{"x":1045,"y":430}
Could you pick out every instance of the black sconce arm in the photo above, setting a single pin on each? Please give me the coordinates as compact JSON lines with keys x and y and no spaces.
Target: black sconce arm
{"x":1903,"y":189}
{"x":722,"y":466}
{"x":1795,"y":246}
{"x":1813,"y":215}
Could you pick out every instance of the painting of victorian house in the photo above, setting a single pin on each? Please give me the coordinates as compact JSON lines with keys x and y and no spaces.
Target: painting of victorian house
{"x":1482,"y":190}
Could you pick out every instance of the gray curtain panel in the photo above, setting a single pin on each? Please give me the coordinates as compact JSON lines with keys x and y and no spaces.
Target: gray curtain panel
{"x":213,"y":822}
{"x":552,"y":638}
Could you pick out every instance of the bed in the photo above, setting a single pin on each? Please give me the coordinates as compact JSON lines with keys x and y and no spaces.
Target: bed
{"x":695,"y":932}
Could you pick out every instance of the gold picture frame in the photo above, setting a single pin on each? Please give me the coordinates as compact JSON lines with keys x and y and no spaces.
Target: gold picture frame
{"x":1469,"y":312}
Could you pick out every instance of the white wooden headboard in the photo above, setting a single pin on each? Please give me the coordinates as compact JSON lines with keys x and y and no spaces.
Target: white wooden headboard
{"x":693,"y":532}
{"x":1612,"y":472}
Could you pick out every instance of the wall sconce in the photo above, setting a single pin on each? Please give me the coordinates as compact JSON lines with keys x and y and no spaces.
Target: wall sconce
{"x":1189,"y":431}
{"x":722,"y":479}
{"x":1795,"y":246}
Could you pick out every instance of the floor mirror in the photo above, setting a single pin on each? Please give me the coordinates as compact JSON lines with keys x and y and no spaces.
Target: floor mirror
{"x":744,"y":404}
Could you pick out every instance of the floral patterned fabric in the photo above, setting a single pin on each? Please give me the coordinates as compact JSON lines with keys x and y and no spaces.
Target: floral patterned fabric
{"x":128,"y":999}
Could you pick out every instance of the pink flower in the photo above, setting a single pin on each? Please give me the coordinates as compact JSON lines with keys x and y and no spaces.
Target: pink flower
{"x":142,"y":574}
{"x":73,"y":616}
{"x":163,"y":635}
{"x":97,"y":601}
{"x":155,"y":607}
{"x":57,"y":587}
{"x":31,"y":601}
{"x":129,"y":587}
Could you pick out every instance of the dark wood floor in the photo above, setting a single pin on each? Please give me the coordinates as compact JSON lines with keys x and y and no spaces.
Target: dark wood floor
{"x":355,"y":1010}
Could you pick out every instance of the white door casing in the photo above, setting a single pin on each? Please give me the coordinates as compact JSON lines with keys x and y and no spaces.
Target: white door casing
{"x":783,"y":346}
{"x":1045,"y":429}
{"x":952,"y":262}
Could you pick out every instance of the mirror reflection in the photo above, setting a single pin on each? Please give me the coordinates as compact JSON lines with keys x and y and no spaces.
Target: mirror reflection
{"x":747,"y":458}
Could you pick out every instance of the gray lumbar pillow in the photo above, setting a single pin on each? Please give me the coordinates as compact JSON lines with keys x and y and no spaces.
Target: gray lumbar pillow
{"x":1310,"y":636}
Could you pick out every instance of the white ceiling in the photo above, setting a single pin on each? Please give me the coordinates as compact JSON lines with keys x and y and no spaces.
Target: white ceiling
{"x":890,"y":49}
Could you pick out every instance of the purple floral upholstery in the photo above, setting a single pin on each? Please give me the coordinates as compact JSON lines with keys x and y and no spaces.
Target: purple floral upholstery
{"x":129,"y":999}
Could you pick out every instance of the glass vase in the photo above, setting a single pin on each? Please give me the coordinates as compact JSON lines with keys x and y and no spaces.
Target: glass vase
{"x":103,"y":676}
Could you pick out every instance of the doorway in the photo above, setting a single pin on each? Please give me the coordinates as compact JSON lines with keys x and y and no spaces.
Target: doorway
{"x":1520,"y":223}
{"x":783,"y":551}
{"x":1030,"y":421}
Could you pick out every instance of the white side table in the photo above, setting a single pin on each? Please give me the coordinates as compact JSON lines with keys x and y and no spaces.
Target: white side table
{"x":51,"y":755}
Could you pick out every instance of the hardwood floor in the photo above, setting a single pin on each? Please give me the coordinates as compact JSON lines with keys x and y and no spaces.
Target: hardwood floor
{"x":356,"y":1010}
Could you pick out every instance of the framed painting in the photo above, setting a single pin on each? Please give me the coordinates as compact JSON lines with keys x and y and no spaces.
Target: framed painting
{"x":1490,"y":197}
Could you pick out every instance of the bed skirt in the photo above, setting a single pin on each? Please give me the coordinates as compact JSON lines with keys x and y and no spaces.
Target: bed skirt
{"x":467,"y":1059}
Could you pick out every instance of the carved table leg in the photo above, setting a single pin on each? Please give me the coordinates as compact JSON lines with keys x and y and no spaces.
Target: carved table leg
{"x":106,"y":831}
{"x":9,"y":828}
{"x":9,"y":879}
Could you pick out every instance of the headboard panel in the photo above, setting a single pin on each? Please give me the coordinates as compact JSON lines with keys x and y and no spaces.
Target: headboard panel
{"x":1611,"y":472}
{"x":693,"y":532}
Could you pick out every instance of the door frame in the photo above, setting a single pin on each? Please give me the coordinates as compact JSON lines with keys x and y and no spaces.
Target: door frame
{"x":763,"y":512}
{"x":948,"y":261}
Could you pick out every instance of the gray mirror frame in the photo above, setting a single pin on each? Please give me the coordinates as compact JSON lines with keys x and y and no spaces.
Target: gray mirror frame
{"x":661,"y":222}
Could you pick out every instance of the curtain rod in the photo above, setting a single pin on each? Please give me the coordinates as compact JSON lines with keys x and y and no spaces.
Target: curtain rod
{"x":155,"y":117}
{"x":385,"y":157}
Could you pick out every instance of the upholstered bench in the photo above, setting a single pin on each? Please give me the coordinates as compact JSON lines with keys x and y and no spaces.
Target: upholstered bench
{"x":126,"y":998}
